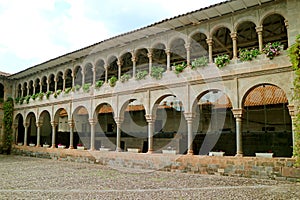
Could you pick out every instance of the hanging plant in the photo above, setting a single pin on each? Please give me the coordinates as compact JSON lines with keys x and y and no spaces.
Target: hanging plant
{"x":112,"y":81}
{"x":48,"y":94}
{"x":294,"y":54}
{"x":21,"y":100}
{"x":157,"y":72}
{"x":27,"y":99}
{"x":125,"y":77}
{"x":141,"y":74}
{"x":200,"y":62}
{"x":34,"y":96}
{"x":41,"y":95}
{"x":17,"y":100}
{"x":222,"y":60}
{"x":8,"y":109}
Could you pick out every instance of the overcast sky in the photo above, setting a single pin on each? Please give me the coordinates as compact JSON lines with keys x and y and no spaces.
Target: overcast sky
{"x":34,"y":31}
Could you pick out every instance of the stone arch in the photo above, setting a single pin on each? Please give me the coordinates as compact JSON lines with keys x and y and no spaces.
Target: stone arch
{"x":82,"y":127}
{"x":30,"y":87}
{"x":100,"y":70}
{"x":222,"y":41}
{"x":25,"y":89}
{"x":112,"y":67}
{"x":31,"y":129}
{"x":242,"y":20}
{"x":37,"y":85}
{"x":61,"y":117}
{"x":51,"y":82}
{"x":68,"y":78}
{"x":178,"y":50}
{"x":270,"y":13}
{"x":126,"y":63}
{"x":19,"y":120}
{"x":46,"y":128}
{"x":274,"y":29}
{"x":60,"y":80}
{"x":267,"y":125}
{"x":88,"y":73}
{"x":44,"y":84}
{"x":142,"y":60}
{"x":219,"y":26}
{"x":247,"y":36}
{"x":2,"y":92}
{"x":159,"y":56}
{"x":198,"y":45}
{"x":214,"y":123}
{"x":77,"y":74}
{"x":19,"y":92}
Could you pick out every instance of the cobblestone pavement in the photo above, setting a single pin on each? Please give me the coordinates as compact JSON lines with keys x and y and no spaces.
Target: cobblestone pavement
{"x":34,"y":178}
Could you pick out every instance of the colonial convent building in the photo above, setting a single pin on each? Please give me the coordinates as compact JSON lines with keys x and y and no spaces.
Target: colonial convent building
{"x":186,"y":83}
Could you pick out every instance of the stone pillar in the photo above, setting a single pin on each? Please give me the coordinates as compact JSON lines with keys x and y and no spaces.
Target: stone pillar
{"x":33,"y":89}
{"x":119,"y":63}
{"x":150,"y":60}
{"x":293,"y":112}
{"x":188,"y":54}
{"x":133,"y":59}
{"x":22,"y":92}
{"x":55,"y":85}
{"x":286,"y":23}
{"x":92,"y":122}
{"x":151,"y":120}
{"x":38,"y":137}
{"x":48,"y":86}
{"x":53,"y":124}
{"x":64,"y":83}
{"x":94,"y":75}
{"x":26,"y":125}
{"x":168,"y":52}
{"x":106,"y":73}
{"x":189,"y":118}
{"x":15,"y":133}
{"x":71,"y":125}
{"x":73,"y":80}
{"x":238,"y":113}
{"x":119,"y":121}
{"x":234,"y":44}
{"x":210,"y":56}
{"x":259,"y":30}
{"x":83,"y":76}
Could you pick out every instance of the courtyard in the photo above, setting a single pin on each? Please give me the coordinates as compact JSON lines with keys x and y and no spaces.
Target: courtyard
{"x":36,"y":178}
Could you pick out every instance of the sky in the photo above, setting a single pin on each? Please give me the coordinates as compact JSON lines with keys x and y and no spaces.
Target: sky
{"x":34,"y":31}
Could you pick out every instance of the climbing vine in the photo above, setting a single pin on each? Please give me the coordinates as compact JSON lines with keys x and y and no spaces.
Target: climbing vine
{"x":8,"y":109}
{"x":294,"y":54}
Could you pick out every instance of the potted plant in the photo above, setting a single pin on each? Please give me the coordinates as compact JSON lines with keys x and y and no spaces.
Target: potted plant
{"x":31,"y":144}
{"x":80,"y":146}
{"x":141,"y":74}
{"x":61,"y":146}
{"x":125,"y":77}
{"x":27,"y":99}
{"x":156,"y":72}
{"x":41,"y":95}
{"x":86,"y":87}
{"x":77,"y":87}
{"x":99,"y":83}
{"x":272,"y":49}
{"x":179,"y":68}
{"x":222,"y":60}
{"x":48,"y":94}
{"x":112,"y":81}
{"x":68,"y":90}
{"x":200,"y":62}
{"x":248,"y":55}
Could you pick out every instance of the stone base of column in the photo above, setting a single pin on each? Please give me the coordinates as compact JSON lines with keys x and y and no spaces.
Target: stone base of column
{"x":53,"y":146}
{"x":38,"y":145}
{"x":71,"y":147}
{"x":118,"y":149}
{"x":239,"y":155}
{"x":93,"y":149}
{"x":190,"y":152}
{"x":150,"y":151}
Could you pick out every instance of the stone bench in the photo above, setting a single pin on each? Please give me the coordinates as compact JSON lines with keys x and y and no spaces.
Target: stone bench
{"x":264,"y":155}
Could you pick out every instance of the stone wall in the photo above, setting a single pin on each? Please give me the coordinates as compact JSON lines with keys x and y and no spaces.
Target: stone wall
{"x":251,"y":167}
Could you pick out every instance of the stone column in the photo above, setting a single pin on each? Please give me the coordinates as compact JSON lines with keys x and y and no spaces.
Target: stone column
{"x":92,"y":122}
{"x":55,"y":85}
{"x":259,"y":30}
{"x":15,"y":133}
{"x":106,"y":73}
{"x":26,"y":125}
{"x":151,"y":120}
{"x":71,"y":125}
{"x":150,"y":60}
{"x":119,"y":121}
{"x":210,"y":56}
{"x":73,"y":80}
{"x":64,"y":83}
{"x":83,"y":76}
{"x":48,"y":86}
{"x":53,"y":124}
{"x":286,"y":23}
{"x":234,"y":44}
{"x":133,"y":59}
{"x":33,"y":89}
{"x":119,"y":63}
{"x":293,"y":112}
{"x":238,"y":113}
{"x":188,"y":54}
{"x":189,"y":118}
{"x":38,"y":137}
{"x":168,"y":52}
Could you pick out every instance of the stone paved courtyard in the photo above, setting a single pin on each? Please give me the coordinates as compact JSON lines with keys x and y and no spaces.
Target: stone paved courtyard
{"x":35,"y":178}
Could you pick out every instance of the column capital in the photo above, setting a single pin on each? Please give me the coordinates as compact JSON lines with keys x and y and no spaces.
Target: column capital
{"x":92,"y":121}
{"x":150,"y":118}
{"x":71,"y":122}
{"x":53,"y":123}
{"x":259,"y":29}
{"x":233,"y":35}
{"x":286,"y":23}
{"x":133,"y":59}
{"x":189,"y":116}
{"x":26,"y":124}
{"x":209,"y":41}
{"x":187,"y":46}
{"x":39,"y":124}
{"x":168,"y":51}
{"x":119,"y":62}
{"x":119,"y":120}
{"x":150,"y":54}
{"x":237,"y":112}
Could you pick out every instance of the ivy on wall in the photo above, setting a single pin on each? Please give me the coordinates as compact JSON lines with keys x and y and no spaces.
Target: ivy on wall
{"x":8,"y":109}
{"x":294,"y":54}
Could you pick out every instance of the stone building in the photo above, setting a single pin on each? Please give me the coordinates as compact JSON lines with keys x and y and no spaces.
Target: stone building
{"x":242,"y":108}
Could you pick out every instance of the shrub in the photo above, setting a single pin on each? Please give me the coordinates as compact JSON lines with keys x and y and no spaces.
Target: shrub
{"x":180,"y":67}
{"x":112,"y":81}
{"x":272,"y":49}
{"x":41,"y":95}
{"x":77,"y":87}
{"x":222,"y":60}
{"x":99,"y":83}
{"x":48,"y":93}
{"x":125,"y":77}
{"x":86,"y":87}
{"x":27,"y":99}
{"x":248,"y":55}
{"x":68,"y":90}
{"x":156,"y":72}
{"x":141,"y":74}
{"x":200,"y":62}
